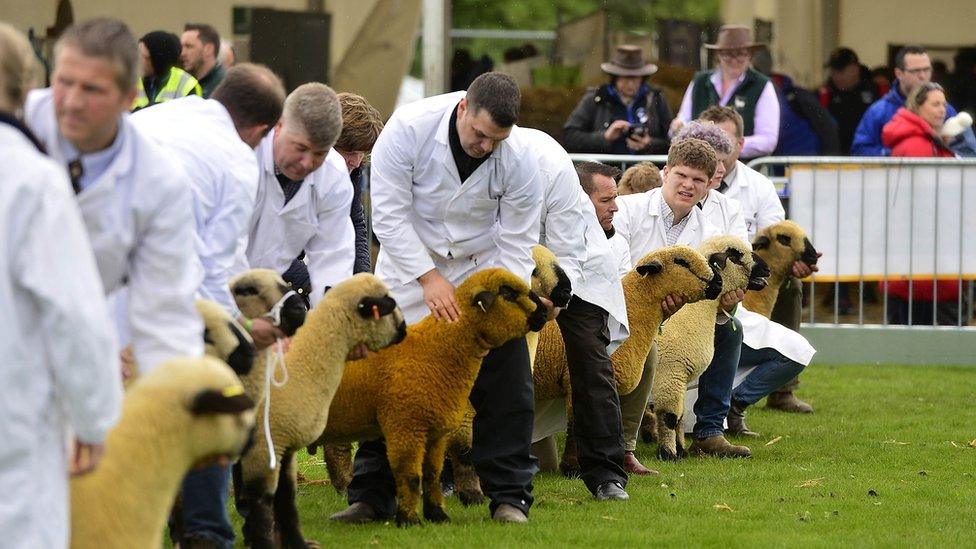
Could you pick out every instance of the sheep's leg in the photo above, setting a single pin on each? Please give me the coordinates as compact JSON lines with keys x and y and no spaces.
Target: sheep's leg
{"x":569,"y":463}
{"x":258,"y":529}
{"x":285,"y":510}
{"x":338,"y":462}
{"x":405,"y":454}
{"x":648,"y":428}
{"x":467,"y":485}
{"x":433,"y":497}
{"x":667,"y":436}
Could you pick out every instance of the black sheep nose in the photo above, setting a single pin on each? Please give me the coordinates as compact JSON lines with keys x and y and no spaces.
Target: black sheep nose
{"x":714,"y":287}
{"x":809,"y":255}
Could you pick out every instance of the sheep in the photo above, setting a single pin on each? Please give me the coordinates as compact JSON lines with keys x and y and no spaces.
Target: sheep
{"x":356,"y":311}
{"x":183,"y":412}
{"x":416,"y":394}
{"x":780,"y":245}
{"x":225,"y":339}
{"x":551,"y":281}
{"x":686,"y":344}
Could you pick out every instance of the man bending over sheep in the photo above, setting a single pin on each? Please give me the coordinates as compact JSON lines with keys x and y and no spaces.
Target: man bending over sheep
{"x":455,"y":190}
{"x":668,"y":216}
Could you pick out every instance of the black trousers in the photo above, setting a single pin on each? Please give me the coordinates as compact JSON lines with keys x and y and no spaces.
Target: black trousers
{"x":504,"y":402}
{"x":596,"y":406}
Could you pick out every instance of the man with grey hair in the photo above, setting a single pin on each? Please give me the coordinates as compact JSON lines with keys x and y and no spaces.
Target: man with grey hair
{"x":134,"y":197}
{"x":59,"y":372}
{"x":304,"y":194}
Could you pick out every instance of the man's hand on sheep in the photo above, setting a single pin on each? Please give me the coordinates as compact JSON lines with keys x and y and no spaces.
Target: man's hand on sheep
{"x":551,"y":310}
{"x":439,"y":296}
{"x":731,"y":299}
{"x":84,"y":458}
{"x":264,"y":333}
{"x":801,"y":270}
{"x":671,"y":304}
{"x":127,"y":362}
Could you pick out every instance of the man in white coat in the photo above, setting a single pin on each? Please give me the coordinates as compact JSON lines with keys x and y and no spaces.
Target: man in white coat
{"x":135,"y":198}
{"x":597,"y":295}
{"x":761,"y":207}
{"x":214,"y":140}
{"x":668,"y":216}
{"x":304,"y":195}
{"x":455,"y":190}
{"x":60,"y":372}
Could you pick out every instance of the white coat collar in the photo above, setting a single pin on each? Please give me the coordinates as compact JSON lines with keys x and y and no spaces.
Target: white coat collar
{"x":120,"y":166}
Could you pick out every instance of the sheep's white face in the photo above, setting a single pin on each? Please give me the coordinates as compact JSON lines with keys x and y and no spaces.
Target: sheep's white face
{"x":501,"y":305}
{"x":683,"y":271}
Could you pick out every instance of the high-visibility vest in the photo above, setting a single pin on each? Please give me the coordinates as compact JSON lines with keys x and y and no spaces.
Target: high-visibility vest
{"x":179,"y":84}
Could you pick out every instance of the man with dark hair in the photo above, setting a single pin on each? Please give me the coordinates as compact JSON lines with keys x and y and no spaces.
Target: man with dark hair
{"x":161,"y":79}
{"x":912,"y":69}
{"x":201,"y":45}
{"x":847,"y":93}
{"x":455,"y":190}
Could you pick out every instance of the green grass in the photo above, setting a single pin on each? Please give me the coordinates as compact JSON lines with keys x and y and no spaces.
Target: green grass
{"x":901,"y":433}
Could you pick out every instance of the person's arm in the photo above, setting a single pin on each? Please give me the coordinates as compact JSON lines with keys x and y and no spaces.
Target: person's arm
{"x":565,"y":222}
{"x":358,"y":215}
{"x":579,"y":135}
{"x":765,"y":127}
{"x":391,"y":197}
{"x":331,"y":252}
{"x":519,"y":212}
{"x":867,"y":136}
{"x":54,"y":262}
{"x":164,"y":276}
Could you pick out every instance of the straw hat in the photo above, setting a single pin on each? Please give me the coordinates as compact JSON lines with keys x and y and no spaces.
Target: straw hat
{"x":735,"y":37}
{"x":628,"y":60}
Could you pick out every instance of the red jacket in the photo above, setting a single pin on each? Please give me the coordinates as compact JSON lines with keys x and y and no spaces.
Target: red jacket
{"x":907,"y":134}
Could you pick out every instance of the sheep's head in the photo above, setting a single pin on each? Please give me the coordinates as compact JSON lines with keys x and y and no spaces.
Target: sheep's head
{"x":740,"y":268}
{"x":679,"y":270}
{"x":500,"y":305}
{"x":549,"y":279}
{"x":206,"y":399}
{"x":783,"y":243}
{"x":225,"y":339}
{"x":373,"y":317}
{"x":262,"y":292}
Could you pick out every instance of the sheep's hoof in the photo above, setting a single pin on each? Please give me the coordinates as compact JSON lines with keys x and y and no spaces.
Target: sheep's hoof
{"x":404,"y":519}
{"x":312,"y":544}
{"x":435,"y":513}
{"x":666,"y":454}
{"x":471,"y":497}
{"x":570,"y":470}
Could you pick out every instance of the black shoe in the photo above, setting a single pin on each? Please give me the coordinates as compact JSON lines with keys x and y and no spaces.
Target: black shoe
{"x":611,"y":491}
{"x":357,"y":513}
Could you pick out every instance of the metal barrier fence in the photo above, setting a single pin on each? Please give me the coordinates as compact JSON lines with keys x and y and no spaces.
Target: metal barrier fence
{"x":882,"y":223}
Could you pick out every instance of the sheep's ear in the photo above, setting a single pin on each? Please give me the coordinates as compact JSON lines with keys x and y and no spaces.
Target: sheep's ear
{"x":376,"y":306}
{"x":231,"y":400}
{"x":760,"y":243}
{"x":653,"y":267}
{"x":784,"y":239}
{"x":244,"y":289}
{"x":718,"y":259}
{"x":483,"y":300}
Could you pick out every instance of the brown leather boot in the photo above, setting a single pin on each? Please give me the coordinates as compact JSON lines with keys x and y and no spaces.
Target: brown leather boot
{"x":635,"y":467}
{"x":719,"y":447}
{"x":737,"y":420}
{"x":787,"y":402}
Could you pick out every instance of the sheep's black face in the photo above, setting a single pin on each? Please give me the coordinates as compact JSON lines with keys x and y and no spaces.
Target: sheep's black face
{"x":563,"y":291}
{"x":241,"y":359}
{"x":757,"y":276}
{"x":809,"y":255}
{"x":293,"y":312}
{"x":538,"y":317}
{"x":714,"y":287}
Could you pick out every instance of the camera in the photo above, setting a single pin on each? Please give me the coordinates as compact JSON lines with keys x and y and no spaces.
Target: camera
{"x":635,"y":130}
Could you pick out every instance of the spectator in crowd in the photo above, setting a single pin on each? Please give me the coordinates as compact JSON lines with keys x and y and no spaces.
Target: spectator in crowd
{"x":226,"y":57}
{"x":883,"y":76}
{"x":161,"y":79}
{"x":914,"y":131}
{"x":735,"y":84}
{"x":805,"y":127}
{"x":135,"y":199}
{"x":624,"y":116}
{"x":912,"y":69}
{"x":639,"y":178}
{"x":963,"y":83}
{"x":940,"y":72}
{"x":59,"y":375}
{"x":361,"y":125}
{"x":201,"y":44}
{"x":847,"y":93}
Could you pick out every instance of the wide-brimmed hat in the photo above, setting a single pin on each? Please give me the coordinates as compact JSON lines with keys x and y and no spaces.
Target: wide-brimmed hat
{"x":628,"y":60}
{"x":735,"y":37}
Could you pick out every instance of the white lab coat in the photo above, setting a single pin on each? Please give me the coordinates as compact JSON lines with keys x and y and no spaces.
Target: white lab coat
{"x":223,"y":173}
{"x":425,"y":218}
{"x":316,"y":220}
{"x":570,"y":228}
{"x":139,"y":217}
{"x":639,"y":222}
{"x":726,"y":214}
{"x":60,"y":365}
{"x":757,"y":196}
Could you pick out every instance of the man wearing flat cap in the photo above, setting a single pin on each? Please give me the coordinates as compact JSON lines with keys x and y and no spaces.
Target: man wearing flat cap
{"x":624,"y":116}
{"x":734,"y":83}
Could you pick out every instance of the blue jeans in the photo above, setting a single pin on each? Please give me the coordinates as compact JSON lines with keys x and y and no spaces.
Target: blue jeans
{"x":773,"y":370}
{"x":204,"y":494}
{"x":715,"y":383}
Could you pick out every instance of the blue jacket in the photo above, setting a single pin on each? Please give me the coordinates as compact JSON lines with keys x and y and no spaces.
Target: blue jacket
{"x":867,"y":137}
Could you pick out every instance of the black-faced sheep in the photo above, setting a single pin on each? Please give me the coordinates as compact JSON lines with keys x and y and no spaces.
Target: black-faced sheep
{"x":356,"y":311}
{"x":686,"y":344}
{"x":184,"y":412}
{"x":416,"y":394}
{"x":779,"y":245}
{"x":225,"y":339}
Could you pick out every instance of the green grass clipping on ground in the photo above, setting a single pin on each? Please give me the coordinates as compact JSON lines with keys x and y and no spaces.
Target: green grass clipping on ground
{"x":888,"y":459}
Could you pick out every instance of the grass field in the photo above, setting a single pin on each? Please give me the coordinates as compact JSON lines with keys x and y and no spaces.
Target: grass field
{"x":885,"y":461}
